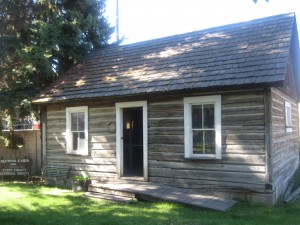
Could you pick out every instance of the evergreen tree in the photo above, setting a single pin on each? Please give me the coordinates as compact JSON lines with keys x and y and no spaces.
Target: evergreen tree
{"x":40,"y":40}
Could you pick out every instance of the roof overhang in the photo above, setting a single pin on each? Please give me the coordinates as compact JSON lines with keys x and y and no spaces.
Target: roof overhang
{"x":154,"y":95}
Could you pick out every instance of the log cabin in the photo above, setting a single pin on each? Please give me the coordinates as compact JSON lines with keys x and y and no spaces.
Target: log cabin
{"x":214,"y":110}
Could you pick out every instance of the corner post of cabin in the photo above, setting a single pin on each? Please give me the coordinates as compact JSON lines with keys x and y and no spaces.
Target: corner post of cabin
{"x":43,"y":117}
{"x":268,"y":137}
{"x":299,"y":125}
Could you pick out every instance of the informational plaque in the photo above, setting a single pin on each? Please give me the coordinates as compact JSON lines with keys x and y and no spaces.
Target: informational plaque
{"x":14,"y":167}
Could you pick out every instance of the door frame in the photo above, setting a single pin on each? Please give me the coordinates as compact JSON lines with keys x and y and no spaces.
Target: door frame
{"x":119,"y":135}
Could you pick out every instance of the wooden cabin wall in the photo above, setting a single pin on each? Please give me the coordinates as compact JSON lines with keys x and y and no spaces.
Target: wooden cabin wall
{"x":285,"y":145}
{"x":242,"y":166}
{"x":101,"y":161}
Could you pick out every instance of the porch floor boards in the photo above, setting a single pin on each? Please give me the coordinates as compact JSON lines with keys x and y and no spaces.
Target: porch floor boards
{"x":167,"y":193}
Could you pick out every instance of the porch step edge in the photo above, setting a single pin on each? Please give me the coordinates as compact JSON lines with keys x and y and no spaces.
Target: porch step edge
{"x":104,"y":190}
{"x":109,"y":197}
{"x":150,"y":190}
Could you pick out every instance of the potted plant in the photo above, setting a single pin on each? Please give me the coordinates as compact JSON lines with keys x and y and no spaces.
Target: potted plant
{"x":81,"y":182}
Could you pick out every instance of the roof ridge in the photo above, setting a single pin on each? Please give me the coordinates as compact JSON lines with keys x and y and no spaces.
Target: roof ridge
{"x":221,"y":27}
{"x":188,"y":34}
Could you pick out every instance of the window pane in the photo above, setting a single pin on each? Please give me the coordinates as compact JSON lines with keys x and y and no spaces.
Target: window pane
{"x":75,"y":140}
{"x":288,"y":116}
{"x":81,"y":141}
{"x":210,"y":143}
{"x":209,"y":119}
{"x":196,"y":116}
{"x":197,"y":142}
{"x":80,"y":121}
{"x":73,"y":121}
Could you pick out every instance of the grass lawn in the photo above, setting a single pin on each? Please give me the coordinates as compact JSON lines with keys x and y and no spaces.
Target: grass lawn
{"x":35,"y":204}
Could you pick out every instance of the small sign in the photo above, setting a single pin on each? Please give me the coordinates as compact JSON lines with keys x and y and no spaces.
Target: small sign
{"x":13,"y":167}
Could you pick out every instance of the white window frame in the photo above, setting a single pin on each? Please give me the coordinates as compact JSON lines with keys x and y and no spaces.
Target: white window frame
{"x":70,"y":110}
{"x":288,"y":117}
{"x":188,"y":133}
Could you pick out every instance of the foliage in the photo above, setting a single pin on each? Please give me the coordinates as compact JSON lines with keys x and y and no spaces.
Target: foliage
{"x":13,"y":141}
{"x":33,"y":204}
{"x":40,"y":40}
{"x":83,"y":177}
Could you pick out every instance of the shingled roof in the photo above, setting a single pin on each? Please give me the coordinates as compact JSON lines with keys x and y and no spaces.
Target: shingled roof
{"x":248,"y":53}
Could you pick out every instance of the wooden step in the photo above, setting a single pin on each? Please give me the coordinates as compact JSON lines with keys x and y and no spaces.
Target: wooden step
{"x":102,"y":190}
{"x":109,"y":197}
{"x":150,"y":190}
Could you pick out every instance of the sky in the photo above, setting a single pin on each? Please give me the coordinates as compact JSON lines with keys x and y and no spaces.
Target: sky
{"x":142,"y":20}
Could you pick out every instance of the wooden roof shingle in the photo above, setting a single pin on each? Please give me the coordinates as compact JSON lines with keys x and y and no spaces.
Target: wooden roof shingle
{"x":247,"y":53}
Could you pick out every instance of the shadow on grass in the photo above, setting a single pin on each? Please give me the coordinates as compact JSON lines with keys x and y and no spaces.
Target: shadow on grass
{"x":34,"y":204}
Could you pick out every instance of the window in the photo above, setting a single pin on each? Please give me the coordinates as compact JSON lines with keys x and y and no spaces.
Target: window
{"x":202,"y":127}
{"x":288,"y":117}
{"x":77,"y":130}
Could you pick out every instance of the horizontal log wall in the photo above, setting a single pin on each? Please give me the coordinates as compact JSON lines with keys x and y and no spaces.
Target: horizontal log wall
{"x":243,"y":146}
{"x":101,"y":161}
{"x":285,"y":147}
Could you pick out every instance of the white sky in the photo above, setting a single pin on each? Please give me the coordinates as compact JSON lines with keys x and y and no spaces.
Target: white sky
{"x":149,"y":19}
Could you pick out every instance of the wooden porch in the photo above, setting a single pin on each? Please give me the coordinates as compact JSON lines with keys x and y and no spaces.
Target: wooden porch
{"x":125,"y":191}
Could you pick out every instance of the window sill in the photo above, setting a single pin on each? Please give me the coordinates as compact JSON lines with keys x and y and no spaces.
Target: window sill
{"x":288,"y":129}
{"x":76,"y":154}
{"x":194,"y":158}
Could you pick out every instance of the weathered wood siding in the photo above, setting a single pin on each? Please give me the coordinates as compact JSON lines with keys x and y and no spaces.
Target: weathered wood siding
{"x":285,"y":145}
{"x":243,"y":146}
{"x":243,"y":163}
{"x":101,"y":161}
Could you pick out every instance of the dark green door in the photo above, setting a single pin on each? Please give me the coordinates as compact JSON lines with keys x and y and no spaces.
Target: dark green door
{"x":133,"y":141}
